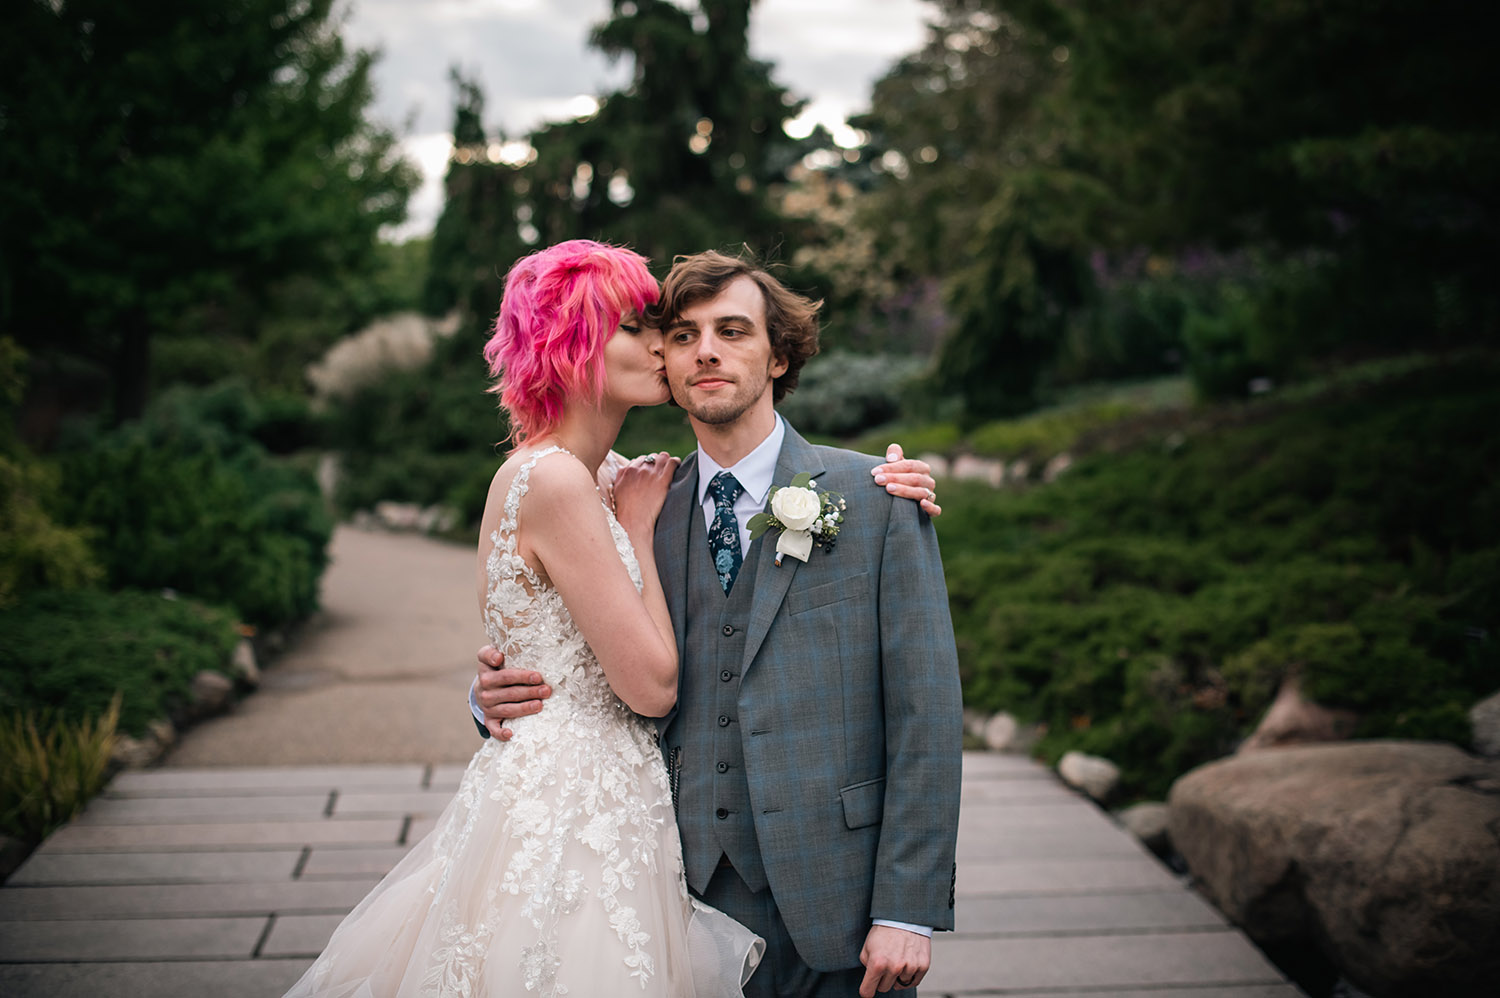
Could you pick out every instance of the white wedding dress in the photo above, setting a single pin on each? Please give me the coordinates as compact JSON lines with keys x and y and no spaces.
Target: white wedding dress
{"x":557,"y":868}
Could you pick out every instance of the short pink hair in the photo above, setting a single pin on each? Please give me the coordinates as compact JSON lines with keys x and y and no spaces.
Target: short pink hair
{"x":561,"y":305}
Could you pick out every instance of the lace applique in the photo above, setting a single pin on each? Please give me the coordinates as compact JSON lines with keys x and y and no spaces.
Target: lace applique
{"x":609,"y":797}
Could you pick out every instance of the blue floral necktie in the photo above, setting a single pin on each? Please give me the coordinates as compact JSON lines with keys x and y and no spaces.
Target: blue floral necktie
{"x":724,"y":532}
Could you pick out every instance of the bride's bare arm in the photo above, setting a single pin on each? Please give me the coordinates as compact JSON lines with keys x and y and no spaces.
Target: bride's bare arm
{"x":563,"y":526}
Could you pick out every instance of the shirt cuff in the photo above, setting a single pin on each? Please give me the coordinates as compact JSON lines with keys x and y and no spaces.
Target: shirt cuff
{"x":474,"y":702}
{"x":921,"y":930}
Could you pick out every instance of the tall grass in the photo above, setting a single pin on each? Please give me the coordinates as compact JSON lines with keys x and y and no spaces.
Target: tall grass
{"x":53,"y":765}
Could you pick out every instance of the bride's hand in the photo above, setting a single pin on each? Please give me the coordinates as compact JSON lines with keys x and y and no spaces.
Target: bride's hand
{"x":641,"y":488}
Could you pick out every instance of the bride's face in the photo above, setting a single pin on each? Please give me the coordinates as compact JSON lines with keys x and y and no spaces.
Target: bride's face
{"x":633,"y":370}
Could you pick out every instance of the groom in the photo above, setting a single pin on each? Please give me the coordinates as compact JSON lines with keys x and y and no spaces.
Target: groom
{"x":814,"y":751}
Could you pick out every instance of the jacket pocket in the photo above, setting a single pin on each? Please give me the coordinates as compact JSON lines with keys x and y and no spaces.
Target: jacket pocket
{"x":829,"y":592}
{"x":863,"y":802}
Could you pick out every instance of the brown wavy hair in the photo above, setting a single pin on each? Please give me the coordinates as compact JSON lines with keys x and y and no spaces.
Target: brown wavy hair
{"x":791,"y":319}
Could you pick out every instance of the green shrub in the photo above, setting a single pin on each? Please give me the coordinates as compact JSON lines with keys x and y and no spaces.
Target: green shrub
{"x":840,"y":394}
{"x":74,"y":651}
{"x":187,"y":499}
{"x":1148,"y":604}
{"x":54,"y":764}
{"x":35,"y":551}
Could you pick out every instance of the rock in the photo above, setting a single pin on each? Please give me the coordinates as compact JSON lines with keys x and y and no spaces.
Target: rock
{"x":242,"y":663}
{"x":1295,"y":720}
{"x":437,"y":519}
{"x":1056,"y":466}
{"x":1018,"y":471}
{"x":1484,"y":716}
{"x":1000,"y":732}
{"x":1147,"y":821}
{"x":1387,"y":854}
{"x":402,"y":341}
{"x":136,"y":753}
{"x":968,"y":468}
{"x":211,"y":693}
{"x":1094,"y":776}
{"x":937,"y":462}
{"x":974,"y":721}
{"x":398,"y":515}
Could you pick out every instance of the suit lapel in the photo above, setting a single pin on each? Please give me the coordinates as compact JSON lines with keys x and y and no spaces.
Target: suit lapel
{"x":773,"y":581}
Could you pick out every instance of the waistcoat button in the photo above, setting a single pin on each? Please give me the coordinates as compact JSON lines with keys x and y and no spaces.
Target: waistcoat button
{"x":726,"y":675}
{"x":728,"y":630}
{"x":721,"y":814}
{"x":723,"y":767}
{"x":723,"y":721}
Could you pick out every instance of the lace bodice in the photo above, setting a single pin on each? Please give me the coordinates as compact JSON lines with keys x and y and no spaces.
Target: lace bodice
{"x":524,"y":615}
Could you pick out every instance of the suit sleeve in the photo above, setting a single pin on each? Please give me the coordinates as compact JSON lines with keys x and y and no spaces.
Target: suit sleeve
{"x":914,"y":868}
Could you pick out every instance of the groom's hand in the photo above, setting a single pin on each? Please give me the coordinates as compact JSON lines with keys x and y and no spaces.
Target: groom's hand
{"x":506,"y":694}
{"x":893,"y":958}
{"x":909,"y":479}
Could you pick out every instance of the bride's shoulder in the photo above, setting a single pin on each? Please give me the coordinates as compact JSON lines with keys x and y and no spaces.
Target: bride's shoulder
{"x":554,"y":479}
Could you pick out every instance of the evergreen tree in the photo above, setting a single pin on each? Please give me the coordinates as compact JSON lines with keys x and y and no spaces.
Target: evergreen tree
{"x":169,"y":162}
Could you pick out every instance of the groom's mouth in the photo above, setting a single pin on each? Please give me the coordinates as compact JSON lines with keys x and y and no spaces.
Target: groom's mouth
{"x":709,"y":384}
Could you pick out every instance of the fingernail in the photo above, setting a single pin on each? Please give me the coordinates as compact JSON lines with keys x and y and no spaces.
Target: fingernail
{"x":879,"y":479}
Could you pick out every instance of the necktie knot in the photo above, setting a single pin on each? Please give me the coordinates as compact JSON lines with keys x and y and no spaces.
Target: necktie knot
{"x":725,"y":489}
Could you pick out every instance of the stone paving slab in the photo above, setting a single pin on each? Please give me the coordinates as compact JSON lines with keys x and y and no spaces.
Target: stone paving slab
{"x":1018,"y":792}
{"x":1211,"y":991}
{"x":416,"y":803}
{"x":1082,"y":875}
{"x":1067,"y":813}
{"x":224,"y":835}
{"x":154,"y":868}
{"x":266,"y":779}
{"x":146,"y":900}
{"x":177,"y":979}
{"x":160,"y":810}
{"x":1102,"y":961}
{"x":130,"y":939}
{"x":1085,"y":914}
{"x":352,"y":862}
{"x":1082,"y":841}
{"x":300,"y":935}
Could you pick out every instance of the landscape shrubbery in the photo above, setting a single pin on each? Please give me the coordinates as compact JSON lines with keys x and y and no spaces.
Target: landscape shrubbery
{"x":188,"y":499}
{"x":1147,"y":605}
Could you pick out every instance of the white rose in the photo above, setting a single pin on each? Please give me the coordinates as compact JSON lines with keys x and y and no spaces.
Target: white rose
{"x":796,"y":508}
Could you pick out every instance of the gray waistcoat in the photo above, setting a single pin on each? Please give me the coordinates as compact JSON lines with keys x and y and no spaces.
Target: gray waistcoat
{"x":713,"y":798}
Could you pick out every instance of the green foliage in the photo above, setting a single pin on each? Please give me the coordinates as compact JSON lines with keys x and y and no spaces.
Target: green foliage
{"x":840,"y":394}
{"x":187,"y":499}
{"x":75,"y":652}
{"x":185,"y":161}
{"x":1044,"y":434}
{"x":35,"y":551}
{"x":54,"y":765}
{"x":1148,"y":604}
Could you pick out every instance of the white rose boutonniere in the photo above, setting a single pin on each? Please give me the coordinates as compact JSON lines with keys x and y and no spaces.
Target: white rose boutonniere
{"x":804,"y":516}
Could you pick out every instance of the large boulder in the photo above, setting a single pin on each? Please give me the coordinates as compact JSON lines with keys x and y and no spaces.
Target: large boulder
{"x":1485,"y":719}
{"x":1295,"y":720}
{"x":1385,"y":853}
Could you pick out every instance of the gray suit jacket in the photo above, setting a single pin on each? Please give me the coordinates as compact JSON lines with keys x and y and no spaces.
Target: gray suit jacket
{"x":850,"y":709}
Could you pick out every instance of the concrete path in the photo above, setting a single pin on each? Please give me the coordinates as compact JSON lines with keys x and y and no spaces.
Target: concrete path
{"x":225,"y":870}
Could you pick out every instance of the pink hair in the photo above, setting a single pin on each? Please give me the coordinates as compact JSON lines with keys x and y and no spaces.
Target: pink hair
{"x":561,"y":305}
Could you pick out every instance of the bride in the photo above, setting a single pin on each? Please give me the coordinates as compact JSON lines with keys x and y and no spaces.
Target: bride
{"x":557,"y":869}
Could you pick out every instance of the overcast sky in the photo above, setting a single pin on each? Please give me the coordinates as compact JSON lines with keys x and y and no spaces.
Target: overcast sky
{"x":534,"y":64}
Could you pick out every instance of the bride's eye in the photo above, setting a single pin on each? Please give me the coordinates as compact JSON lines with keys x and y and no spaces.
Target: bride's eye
{"x":632,"y":330}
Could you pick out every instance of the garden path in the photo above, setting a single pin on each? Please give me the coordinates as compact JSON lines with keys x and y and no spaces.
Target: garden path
{"x":224,"y":871}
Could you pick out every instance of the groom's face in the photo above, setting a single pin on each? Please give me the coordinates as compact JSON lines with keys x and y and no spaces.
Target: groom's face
{"x":718,"y":355}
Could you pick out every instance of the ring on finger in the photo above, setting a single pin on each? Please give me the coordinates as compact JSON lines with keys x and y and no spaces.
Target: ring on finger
{"x":650,"y":458}
{"x":931,"y":496}
{"x":907,"y":982}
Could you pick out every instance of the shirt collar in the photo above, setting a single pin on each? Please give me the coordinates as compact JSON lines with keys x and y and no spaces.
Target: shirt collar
{"x":755,"y":471}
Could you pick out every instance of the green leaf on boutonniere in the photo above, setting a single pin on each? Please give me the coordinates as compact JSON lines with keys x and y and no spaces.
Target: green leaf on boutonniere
{"x":802,"y":480}
{"x":759,"y":524}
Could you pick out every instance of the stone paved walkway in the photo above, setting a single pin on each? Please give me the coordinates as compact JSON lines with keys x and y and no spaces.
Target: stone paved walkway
{"x":223,"y":872}
{"x":186,"y":882}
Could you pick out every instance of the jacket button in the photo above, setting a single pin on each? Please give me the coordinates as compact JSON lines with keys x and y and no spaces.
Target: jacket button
{"x":726,"y":675}
{"x":723,"y":767}
{"x":721,"y":814}
{"x":728,"y":630}
{"x":723,"y":720}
